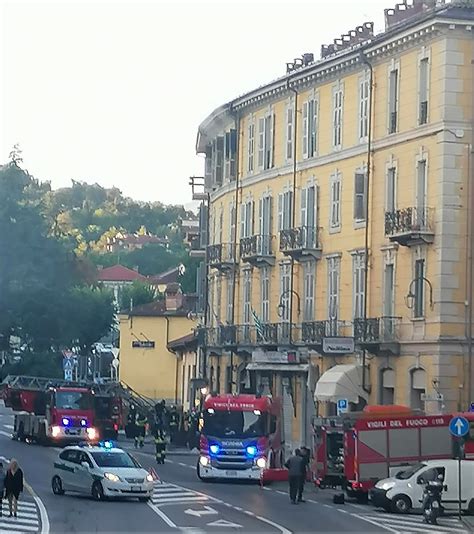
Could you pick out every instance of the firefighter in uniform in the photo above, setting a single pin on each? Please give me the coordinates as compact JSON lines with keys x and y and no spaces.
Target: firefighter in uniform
{"x":140,"y":422}
{"x":160,"y":446}
{"x":131,"y":429}
{"x":173,"y":423}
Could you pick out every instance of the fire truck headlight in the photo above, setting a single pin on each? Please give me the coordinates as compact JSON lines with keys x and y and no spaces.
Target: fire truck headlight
{"x":204,"y":461}
{"x":91,"y":433}
{"x":66,"y":421}
{"x":214,"y":449}
{"x":55,"y":431}
{"x":261,"y":462}
{"x":149,"y":477}
{"x":251,"y":450}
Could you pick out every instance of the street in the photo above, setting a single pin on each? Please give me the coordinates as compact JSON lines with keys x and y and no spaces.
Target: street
{"x":182,"y":502}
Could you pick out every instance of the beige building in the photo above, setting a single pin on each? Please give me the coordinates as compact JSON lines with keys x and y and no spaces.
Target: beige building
{"x":340,"y":222}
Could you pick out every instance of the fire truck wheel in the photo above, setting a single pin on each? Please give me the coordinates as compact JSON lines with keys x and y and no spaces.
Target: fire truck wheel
{"x":401,"y":504}
{"x":97,"y":491}
{"x":271,"y":459}
{"x":57,"y":486}
{"x":470,"y":508}
{"x":42,"y":439}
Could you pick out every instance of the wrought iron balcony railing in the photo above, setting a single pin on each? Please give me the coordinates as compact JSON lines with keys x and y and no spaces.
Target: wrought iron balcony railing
{"x":409,"y":220}
{"x":256,"y":246}
{"x":313,"y":332}
{"x":300,"y":238}
{"x":222,"y":254}
{"x":376,"y":330}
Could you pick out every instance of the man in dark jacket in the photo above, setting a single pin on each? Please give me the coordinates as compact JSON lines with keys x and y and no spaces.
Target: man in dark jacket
{"x":305,"y":455}
{"x":294,"y":464}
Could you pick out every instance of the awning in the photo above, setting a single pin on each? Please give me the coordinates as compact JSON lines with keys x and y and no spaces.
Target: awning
{"x":280,"y":367}
{"x":341,"y":382}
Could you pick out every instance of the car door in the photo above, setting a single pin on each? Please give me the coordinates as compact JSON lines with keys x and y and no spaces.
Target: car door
{"x":64,"y":468}
{"x":83,"y":475}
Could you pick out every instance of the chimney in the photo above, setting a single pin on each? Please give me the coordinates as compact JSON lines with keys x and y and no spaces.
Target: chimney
{"x":173,"y":297}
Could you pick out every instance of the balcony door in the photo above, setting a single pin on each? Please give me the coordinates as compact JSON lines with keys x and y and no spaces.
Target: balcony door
{"x":265,"y":224}
{"x":309,"y":216}
{"x":420,"y":215}
{"x":388,"y":300}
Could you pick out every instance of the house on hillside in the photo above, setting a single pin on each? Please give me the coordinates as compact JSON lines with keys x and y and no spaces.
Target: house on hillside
{"x":128,"y":242}
{"x":117,"y":277}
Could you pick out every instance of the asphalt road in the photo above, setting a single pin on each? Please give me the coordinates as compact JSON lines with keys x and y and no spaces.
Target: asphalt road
{"x":182,"y":502}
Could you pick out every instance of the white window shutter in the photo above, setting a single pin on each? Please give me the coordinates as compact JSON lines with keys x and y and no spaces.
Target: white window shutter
{"x":242,"y":221}
{"x":272,"y":141}
{"x":260,"y":216}
{"x":261,"y":142}
{"x":304,"y":202}
{"x":280,"y":212}
{"x":315,"y":125}
{"x":305,"y":130}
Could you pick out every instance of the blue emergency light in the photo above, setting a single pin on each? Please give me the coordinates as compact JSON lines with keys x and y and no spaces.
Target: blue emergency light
{"x":251,"y":450}
{"x":106,"y":444}
{"x":66,"y":421}
{"x":214,"y":448}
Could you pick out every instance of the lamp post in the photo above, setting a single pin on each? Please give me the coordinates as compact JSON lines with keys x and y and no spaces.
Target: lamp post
{"x":410,"y":296}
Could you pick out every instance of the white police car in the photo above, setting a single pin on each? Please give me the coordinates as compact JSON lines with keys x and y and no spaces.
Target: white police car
{"x":101,"y":471}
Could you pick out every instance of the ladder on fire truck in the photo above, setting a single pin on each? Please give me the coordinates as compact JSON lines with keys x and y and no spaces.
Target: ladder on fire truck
{"x":118,"y":389}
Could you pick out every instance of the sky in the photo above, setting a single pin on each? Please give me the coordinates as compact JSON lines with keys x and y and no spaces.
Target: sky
{"x":113,"y":92}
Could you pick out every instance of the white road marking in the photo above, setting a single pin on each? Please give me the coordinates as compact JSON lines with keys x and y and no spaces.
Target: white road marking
{"x":163,"y":516}
{"x":8,"y":426}
{"x":206,"y":510}
{"x":16,"y":527}
{"x":401,"y":524}
{"x":7,"y":434}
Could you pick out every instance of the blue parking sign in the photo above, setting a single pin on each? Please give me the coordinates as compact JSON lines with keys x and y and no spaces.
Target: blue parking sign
{"x":342,"y":406}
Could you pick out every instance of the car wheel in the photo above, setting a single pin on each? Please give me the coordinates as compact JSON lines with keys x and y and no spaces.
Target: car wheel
{"x":97,"y":491}
{"x":143,"y":499}
{"x":57,"y":485}
{"x":401,"y":504}
{"x":470,"y":508}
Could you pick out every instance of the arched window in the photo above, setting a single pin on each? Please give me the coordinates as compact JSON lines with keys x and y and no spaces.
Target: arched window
{"x":387,"y":386}
{"x":417,"y":388}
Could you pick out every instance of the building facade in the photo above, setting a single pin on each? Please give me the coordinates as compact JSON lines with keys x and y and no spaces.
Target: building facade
{"x":338,"y":223}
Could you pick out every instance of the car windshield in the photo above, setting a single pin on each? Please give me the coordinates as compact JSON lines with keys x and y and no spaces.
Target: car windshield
{"x":409,"y":472}
{"x":115,"y":459}
{"x":73,"y":400}
{"x":234,"y":424}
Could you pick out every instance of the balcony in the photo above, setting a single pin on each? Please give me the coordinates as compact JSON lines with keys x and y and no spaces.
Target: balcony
{"x":312,"y":333}
{"x":223,"y":336}
{"x":196,"y":249}
{"x":301,"y":243}
{"x":257,"y":250}
{"x":221,"y":256}
{"x":410,"y":226}
{"x":378,"y":335}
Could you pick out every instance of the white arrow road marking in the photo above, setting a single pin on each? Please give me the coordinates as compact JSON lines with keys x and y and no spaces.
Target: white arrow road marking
{"x":224,"y":523}
{"x":198,"y":513}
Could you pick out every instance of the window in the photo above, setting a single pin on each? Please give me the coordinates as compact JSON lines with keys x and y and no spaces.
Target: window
{"x":338,"y":97}
{"x":230,"y":299}
{"x":387,"y":393}
{"x":358,"y":285}
{"x":334,"y":265}
{"x":360,"y":196}
{"x":335,"y":208}
{"x":420,"y":192}
{"x":265,"y":223}
{"x":418,"y":388}
{"x":309,"y":216}
{"x":310,"y":125}
{"x":419,"y":304}
{"x":309,"y":286}
{"x":220,"y":226}
{"x":265,"y":293}
{"x":285,"y":210}
{"x":247,"y":289}
{"x":246,"y":219}
{"x":289,"y":133}
{"x":230,"y":153}
{"x":364,"y":108}
{"x":218,"y":299}
{"x":391,"y":193}
{"x":285,"y":270}
{"x":73,"y":400}
{"x":251,"y":148}
{"x":232,"y":214}
{"x":208,"y":167}
{"x":217,"y":160}
{"x":393,"y":101}
{"x":423,"y":91}
{"x":388,"y":294}
{"x":266,"y":130}
{"x":115,"y":460}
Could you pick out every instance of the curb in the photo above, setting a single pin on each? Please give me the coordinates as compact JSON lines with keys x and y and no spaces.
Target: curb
{"x":469,"y":523}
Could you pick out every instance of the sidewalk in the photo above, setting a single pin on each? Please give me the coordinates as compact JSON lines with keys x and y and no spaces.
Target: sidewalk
{"x":149,"y":446}
{"x":468,"y":521}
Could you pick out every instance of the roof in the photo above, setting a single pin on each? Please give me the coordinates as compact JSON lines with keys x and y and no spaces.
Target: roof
{"x":188,"y":341}
{"x":158,"y":309}
{"x":118,"y":273}
{"x":166,"y":277}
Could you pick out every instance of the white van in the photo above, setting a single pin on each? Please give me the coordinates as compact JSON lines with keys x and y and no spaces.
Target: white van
{"x":404,"y":491}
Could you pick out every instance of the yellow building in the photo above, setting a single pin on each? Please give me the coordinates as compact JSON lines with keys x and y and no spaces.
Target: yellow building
{"x":147,"y":365}
{"x":364,"y":153}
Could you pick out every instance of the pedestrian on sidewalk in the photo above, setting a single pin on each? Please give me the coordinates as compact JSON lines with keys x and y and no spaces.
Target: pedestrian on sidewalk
{"x":305,"y":455}
{"x":294,"y":464}
{"x":13,"y":486}
{"x":2,"y":487}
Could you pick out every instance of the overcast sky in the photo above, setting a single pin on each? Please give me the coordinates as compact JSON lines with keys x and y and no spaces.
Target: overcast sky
{"x":113,"y":91}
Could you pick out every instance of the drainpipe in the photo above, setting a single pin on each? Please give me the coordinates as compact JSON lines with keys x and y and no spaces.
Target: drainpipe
{"x":293,"y":214}
{"x":236,"y":116}
{"x":365,"y":61}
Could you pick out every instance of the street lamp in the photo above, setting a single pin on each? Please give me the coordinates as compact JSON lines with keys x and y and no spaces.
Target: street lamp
{"x":411,"y":295}
{"x":282,"y":307}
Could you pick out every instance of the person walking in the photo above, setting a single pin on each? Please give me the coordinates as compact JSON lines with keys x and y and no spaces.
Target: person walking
{"x":160,"y":446}
{"x":13,"y":486}
{"x":141,"y":422}
{"x":305,"y":455}
{"x":2,"y":487}
{"x":294,"y":464}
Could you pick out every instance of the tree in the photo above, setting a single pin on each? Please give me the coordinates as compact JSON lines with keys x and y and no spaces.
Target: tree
{"x":137,"y":293}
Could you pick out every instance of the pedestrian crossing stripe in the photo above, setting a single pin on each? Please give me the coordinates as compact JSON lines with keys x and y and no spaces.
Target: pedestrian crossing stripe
{"x":173,"y":494}
{"x":414,"y":523}
{"x":27,"y":521}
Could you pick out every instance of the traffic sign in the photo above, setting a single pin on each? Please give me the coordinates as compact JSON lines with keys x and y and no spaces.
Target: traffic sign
{"x":471,"y":408}
{"x":342,"y":406}
{"x":68,"y":374}
{"x":459,"y":426}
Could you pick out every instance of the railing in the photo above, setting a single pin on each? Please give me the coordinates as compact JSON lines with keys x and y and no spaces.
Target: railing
{"x":221,"y":336}
{"x":313,"y":332}
{"x":376,"y":330}
{"x":221,"y":253}
{"x":409,"y":220}
{"x":300,"y":238}
{"x":256,"y":245}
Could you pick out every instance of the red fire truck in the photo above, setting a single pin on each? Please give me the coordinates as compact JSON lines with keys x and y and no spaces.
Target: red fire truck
{"x":50,"y":410}
{"x":356,"y":450}
{"x":240,"y":437}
